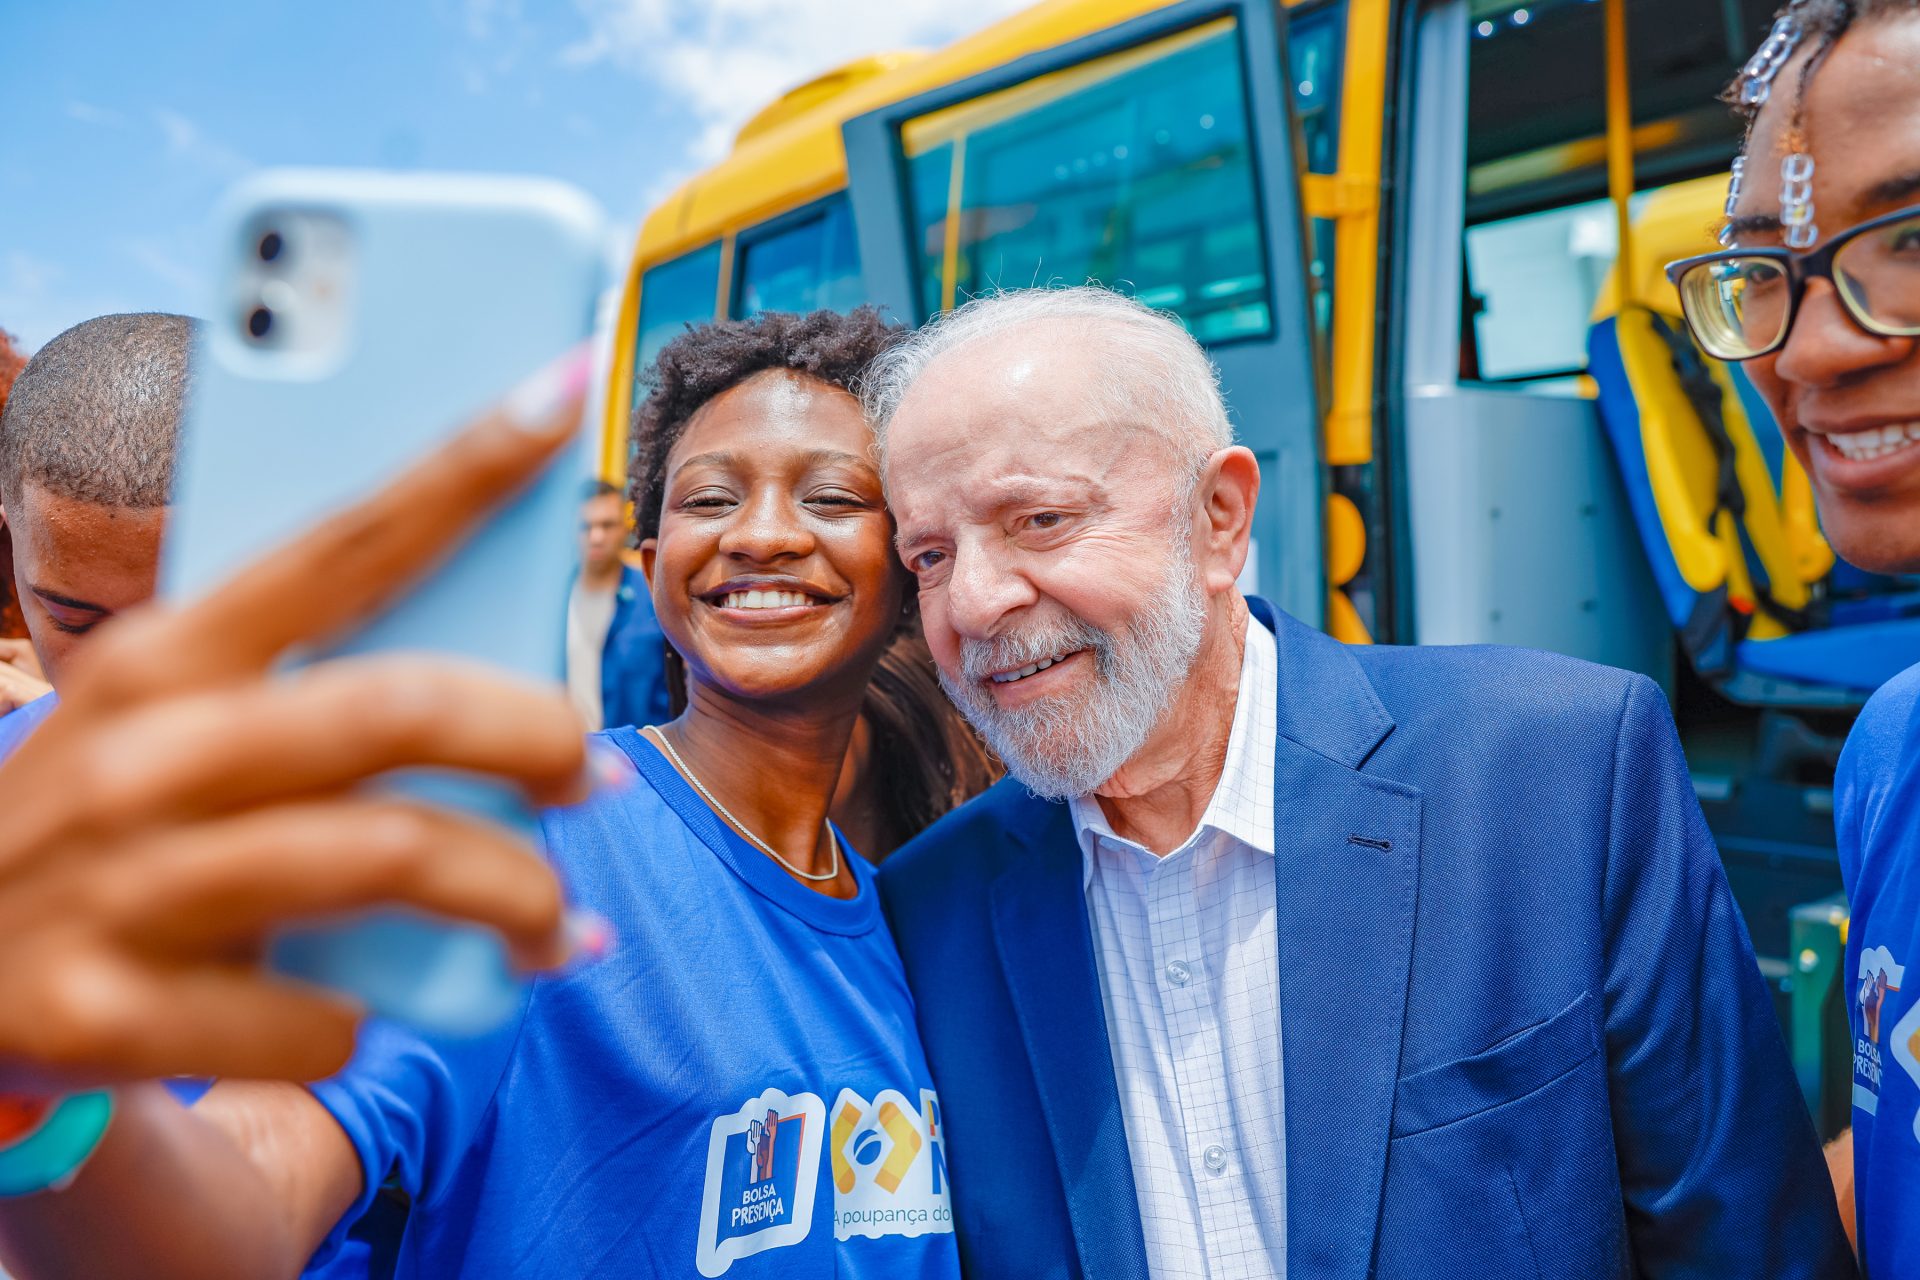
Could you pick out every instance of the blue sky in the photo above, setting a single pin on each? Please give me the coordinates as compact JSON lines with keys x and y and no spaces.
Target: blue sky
{"x":124,"y":121}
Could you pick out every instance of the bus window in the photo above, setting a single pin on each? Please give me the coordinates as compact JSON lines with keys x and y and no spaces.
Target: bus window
{"x":673,"y":295}
{"x":1132,"y":170}
{"x":1316,"y":44}
{"x":1537,"y":277}
{"x":1316,"y":49}
{"x":1540,"y":236}
{"x":929,"y":184}
{"x":1536,"y":96}
{"x":804,"y":265}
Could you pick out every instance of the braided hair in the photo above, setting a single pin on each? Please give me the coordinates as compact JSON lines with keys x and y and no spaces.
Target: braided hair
{"x":1822,"y":23}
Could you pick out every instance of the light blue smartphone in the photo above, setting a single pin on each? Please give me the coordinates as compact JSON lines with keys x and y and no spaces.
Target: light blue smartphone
{"x":359,"y":319}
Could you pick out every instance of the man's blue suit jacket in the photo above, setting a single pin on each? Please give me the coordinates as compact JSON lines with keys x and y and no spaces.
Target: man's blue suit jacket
{"x":633,"y":681}
{"x":1524,"y":1032}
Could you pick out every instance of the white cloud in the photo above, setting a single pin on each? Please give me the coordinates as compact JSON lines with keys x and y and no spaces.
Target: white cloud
{"x":483,"y":17}
{"x":88,"y":113}
{"x":188,"y":142}
{"x":728,"y":58}
{"x":27,"y":275}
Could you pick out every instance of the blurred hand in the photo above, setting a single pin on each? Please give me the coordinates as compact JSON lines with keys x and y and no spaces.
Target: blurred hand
{"x":20,"y":678}
{"x":19,"y":655}
{"x":184,"y":800}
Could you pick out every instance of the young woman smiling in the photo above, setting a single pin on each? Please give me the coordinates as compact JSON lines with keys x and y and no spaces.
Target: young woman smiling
{"x":737,"y":1087}
{"x":1818,"y":293}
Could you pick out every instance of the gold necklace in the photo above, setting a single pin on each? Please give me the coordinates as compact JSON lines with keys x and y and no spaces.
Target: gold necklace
{"x":833,"y":841}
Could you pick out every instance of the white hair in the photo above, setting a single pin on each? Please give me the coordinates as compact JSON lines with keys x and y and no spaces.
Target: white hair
{"x":1157,"y":375}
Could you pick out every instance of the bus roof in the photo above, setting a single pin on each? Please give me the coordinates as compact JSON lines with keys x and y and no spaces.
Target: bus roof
{"x":791,"y":152}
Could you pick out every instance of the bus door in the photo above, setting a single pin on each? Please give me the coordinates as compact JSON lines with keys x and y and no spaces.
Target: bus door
{"x":1157,"y":157}
{"x":1519,"y":529}
{"x":1522,"y":521}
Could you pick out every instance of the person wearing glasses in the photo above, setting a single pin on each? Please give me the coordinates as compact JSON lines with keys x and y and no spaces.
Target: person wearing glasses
{"x":1818,"y":293}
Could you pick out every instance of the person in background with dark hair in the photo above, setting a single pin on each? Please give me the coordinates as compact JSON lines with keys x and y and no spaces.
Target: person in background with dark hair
{"x":624,"y":1122}
{"x":86,"y":472}
{"x":1818,"y":292}
{"x":615,"y":654}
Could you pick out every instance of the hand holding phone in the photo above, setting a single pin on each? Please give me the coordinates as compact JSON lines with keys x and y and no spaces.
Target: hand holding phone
{"x":185,"y":800}
{"x":359,"y":319}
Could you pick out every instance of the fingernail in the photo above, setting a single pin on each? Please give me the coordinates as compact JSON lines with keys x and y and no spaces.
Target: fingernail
{"x":539,"y":396}
{"x":590,"y":939}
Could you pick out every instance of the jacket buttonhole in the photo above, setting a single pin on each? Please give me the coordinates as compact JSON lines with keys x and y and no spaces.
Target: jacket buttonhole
{"x":1384,"y":846}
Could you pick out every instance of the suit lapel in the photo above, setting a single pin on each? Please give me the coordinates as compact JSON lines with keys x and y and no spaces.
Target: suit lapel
{"x":1046,"y":952}
{"x":1345,"y":915}
{"x":1345,"y":883}
{"x":1345,"y":880}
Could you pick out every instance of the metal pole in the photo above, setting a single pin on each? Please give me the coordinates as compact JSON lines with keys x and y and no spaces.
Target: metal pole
{"x":1620,"y":142}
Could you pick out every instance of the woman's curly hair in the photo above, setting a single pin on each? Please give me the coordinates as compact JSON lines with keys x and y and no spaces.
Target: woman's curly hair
{"x":711,"y":358}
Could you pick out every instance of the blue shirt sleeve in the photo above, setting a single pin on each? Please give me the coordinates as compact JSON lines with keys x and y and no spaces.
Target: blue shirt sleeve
{"x":412,"y":1105}
{"x":1869,"y":767}
{"x":17,"y":725}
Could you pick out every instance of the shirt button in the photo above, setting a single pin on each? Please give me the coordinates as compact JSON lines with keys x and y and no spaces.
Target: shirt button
{"x":1178,"y":973}
{"x":1215,"y":1157}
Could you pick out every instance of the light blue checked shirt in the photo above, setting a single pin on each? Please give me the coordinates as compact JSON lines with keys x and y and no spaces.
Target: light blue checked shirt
{"x":1189,"y":970}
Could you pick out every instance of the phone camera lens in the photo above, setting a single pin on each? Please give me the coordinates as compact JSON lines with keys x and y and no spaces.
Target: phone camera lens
{"x":259,"y":322}
{"x":271,"y":246}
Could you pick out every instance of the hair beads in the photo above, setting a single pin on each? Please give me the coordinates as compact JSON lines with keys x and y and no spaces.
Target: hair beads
{"x":1796,"y":200}
{"x":1733,"y":198}
{"x":1765,"y":64}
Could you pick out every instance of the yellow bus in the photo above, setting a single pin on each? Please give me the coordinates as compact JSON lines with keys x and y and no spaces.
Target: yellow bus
{"x":1396,"y":227}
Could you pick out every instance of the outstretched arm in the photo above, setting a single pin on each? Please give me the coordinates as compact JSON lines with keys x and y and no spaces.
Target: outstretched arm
{"x":1840,"y":1169}
{"x":183,"y":803}
{"x":244,"y":1185}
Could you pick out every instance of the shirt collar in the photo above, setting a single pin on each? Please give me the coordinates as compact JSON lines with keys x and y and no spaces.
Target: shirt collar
{"x":1241,"y":807}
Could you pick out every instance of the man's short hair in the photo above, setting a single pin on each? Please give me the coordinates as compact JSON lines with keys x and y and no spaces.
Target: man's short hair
{"x":95,"y":415}
{"x":599,"y":489}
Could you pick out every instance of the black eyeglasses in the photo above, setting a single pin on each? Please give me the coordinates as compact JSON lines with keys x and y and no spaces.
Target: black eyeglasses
{"x":1740,"y":303}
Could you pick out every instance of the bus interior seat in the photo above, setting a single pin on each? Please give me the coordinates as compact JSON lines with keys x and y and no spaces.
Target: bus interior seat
{"x":1764,"y":609}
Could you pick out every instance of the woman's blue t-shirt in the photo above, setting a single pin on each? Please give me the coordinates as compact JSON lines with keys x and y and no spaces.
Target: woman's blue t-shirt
{"x":738,"y":1089}
{"x":1877,"y":815}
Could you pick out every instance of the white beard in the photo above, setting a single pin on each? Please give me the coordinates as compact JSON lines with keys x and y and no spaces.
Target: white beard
{"x":1067,"y":745}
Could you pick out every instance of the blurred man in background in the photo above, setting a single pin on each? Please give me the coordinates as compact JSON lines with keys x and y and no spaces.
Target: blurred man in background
{"x":86,"y":469}
{"x":615,"y":653}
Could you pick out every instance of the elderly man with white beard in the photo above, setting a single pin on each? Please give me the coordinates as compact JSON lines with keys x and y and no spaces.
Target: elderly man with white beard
{"x":1275,"y":956}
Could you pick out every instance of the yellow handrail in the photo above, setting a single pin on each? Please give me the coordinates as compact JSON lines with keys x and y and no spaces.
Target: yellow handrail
{"x":1620,"y":134}
{"x":1354,"y":198}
